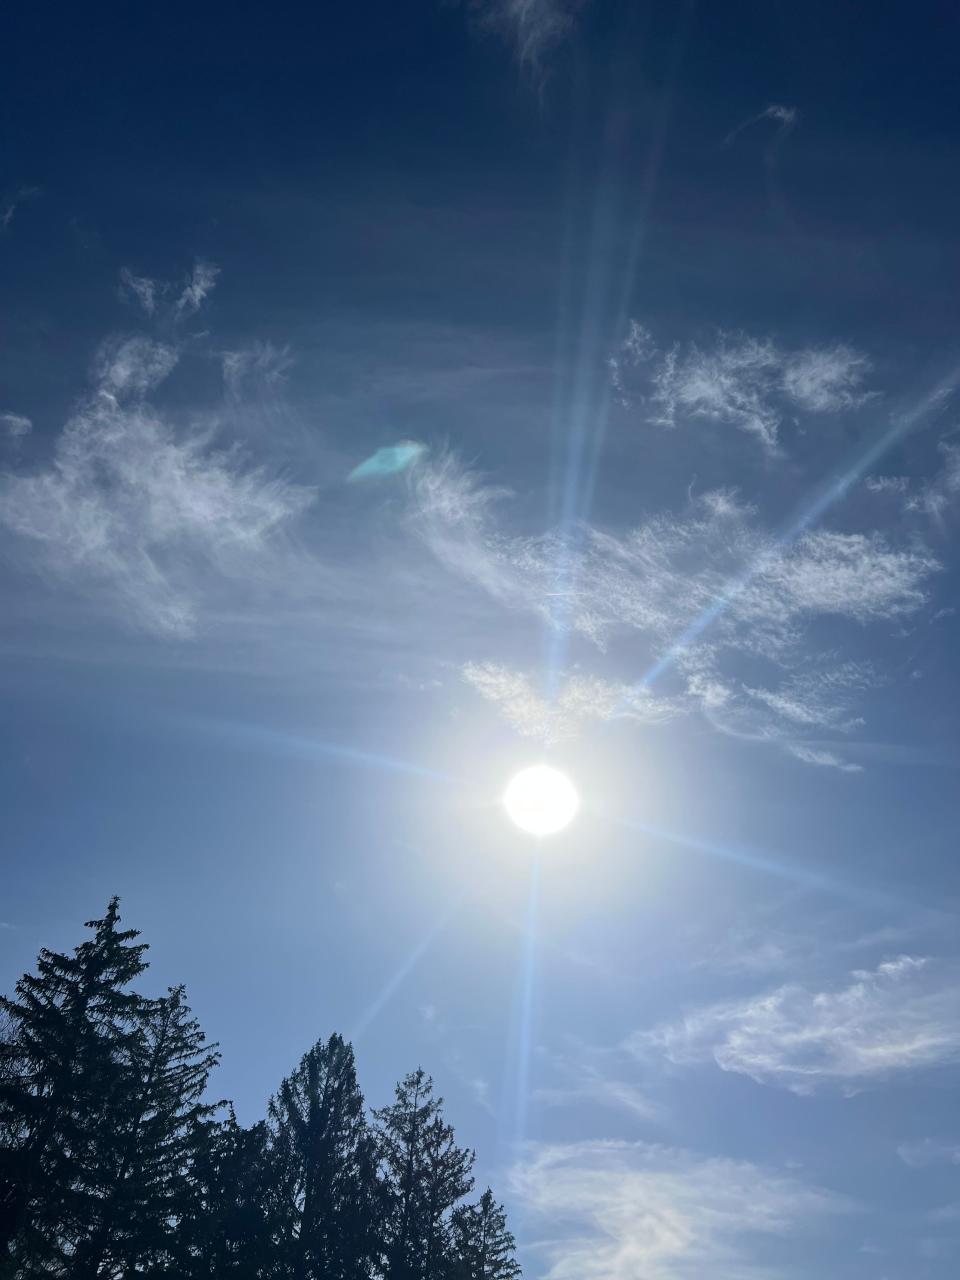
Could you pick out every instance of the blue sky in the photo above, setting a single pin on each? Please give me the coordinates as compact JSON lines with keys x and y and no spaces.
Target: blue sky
{"x":392,"y":399}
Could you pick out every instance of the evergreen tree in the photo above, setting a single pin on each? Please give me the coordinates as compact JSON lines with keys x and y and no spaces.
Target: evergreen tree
{"x":113,"y":1165}
{"x":483,"y":1248}
{"x":12,"y":1182}
{"x":140,"y":1178}
{"x":324,"y":1160}
{"x":72,"y":1023}
{"x":228,"y":1230}
{"x":426,"y":1174}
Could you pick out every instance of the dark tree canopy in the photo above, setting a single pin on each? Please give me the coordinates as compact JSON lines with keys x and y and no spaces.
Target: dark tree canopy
{"x":324,"y":1161}
{"x":483,"y":1248}
{"x":115,"y":1163}
{"x":426,"y":1174}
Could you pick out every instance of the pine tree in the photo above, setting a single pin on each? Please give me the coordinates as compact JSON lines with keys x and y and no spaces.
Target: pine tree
{"x":228,"y":1230}
{"x":324,"y":1160}
{"x":113,"y":1165}
{"x":140,"y":1179}
{"x":426,"y":1174}
{"x":12,"y":1182}
{"x":72,"y":1023}
{"x":483,"y":1248}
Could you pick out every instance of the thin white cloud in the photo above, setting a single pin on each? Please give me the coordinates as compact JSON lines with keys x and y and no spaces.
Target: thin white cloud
{"x":728,"y":385}
{"x":822,"y":759}
{"x":902,"y":1016}
{"x":786,"y":117}
{"x":749,"y":383}
{"x":852,"y":575}
{"x":198,"y":287}
{"x":818,"y":699}
{"x":929,"y":1151}
{"x":580,"y":700}
{"x":164,"y":297}
{"x":131,"y":510}
{"x":658,"y":577}
{"x":589,"y":1074}
{"x":709,"y":561}
{"x":12,"y":202}
{"x":533,"y":27}
{"x":592,"y":1086}
{"x":614,"y":1210}
{"x":887,"y":484}
{"x":937,"y":496}
{"x":260,"y":362}
{"x":127,"y":366}
{"x":619,"y":1095}
{"x":825,"y":379}
{"x":141,"y":289}
{"x":15,"y":424}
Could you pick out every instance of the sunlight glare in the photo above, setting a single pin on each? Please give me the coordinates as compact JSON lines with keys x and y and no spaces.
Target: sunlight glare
{"x":541,"y":800}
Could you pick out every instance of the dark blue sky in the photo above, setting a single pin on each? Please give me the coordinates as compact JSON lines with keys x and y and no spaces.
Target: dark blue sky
{"x":664,"y":296}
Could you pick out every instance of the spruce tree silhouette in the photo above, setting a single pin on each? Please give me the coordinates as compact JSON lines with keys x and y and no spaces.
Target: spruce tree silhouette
{"x":483,"y":1248}
{"x":145,"y":1155}
{"x":324,"y":1162}
{"x":426,"y":1174}
{"x":74,"y":1027}
{"x":231,"y":1224}
{"x":115,"y":1166}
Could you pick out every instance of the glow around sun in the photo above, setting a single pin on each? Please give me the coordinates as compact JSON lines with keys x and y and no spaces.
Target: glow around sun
{"x":541,"y":800}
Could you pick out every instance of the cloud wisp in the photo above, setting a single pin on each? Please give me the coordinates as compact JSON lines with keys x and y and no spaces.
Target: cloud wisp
{"x":748,"y":383}
{"x":933,"y":497}
{"x":657,"y":580}
{"x":786,"y":118}
{"x":900,"y":1017}
{"x":580,"y":701}
{"x":12,"y":202}
{"x":133,"y":511}
{"x":615,"y":1210}
{"x":167,"y":299}
{"x":592,"y":1076}
{"x":15,"y":425}
{"x":925,"y":1152}
{"x":660,"y":575}
{"x":533,"y":27}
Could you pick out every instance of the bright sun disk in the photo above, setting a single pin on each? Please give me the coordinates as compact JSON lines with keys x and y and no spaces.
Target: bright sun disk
{"x":541,"y":800}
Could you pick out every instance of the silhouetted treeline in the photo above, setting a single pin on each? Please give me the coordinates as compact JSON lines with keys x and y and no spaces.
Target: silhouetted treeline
{"x":114,"y":1164}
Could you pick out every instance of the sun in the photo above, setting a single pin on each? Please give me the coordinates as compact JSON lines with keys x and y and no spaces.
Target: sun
{"x":541,"y":800}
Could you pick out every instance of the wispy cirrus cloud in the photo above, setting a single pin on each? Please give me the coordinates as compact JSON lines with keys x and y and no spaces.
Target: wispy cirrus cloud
{"x":929,"y":1151}
{"x":533,"y":27}
{"x":902,"y":1016}
{"x":933,"y":496}
{"x":594,"y":1076}
{"x":936,"y":496}
{"x":887,"y":484}
{"x":659,"y":576}
{"x":15,"y":425}
{"x":821,"y":758}
{"x":132,"y":510}
{"x":11,"y":202}
{"x":751,"y":384}
{"x":656,"y":580}
{"x":786,"y":118}
{"x":818,"y":699}
{"x":172,"y":299}
{"x":581,"y":699}
{"x":260,"y":362}
{"x":615,"y":1210}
